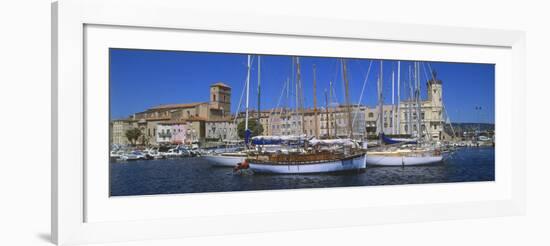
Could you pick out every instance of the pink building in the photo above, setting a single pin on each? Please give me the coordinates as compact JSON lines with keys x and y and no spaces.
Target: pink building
{"x":174,"y":132}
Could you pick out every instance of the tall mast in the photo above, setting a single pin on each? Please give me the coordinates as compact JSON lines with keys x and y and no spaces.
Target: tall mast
{"x":332,"y":111}
{"x":296,"y":61}
{"x":328,"y":115}
{"x":259,"y":111}
{"x":417,"y":97}
{"x":299,"y":94}
{"x":398,"y":97}
{"x":409,"y":119}
{"x":287,"y":107}
{"x":247,"y":91}
{"x":315,"y":101}
{"x":381,"y":98}
{"x":393,"y":101}
{"x":346,"y":85}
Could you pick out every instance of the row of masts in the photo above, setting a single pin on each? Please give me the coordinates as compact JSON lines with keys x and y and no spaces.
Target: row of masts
{"x":414,"y":99}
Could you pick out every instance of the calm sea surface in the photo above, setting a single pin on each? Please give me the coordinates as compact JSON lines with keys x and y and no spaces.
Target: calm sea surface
{"x":193,"y":175}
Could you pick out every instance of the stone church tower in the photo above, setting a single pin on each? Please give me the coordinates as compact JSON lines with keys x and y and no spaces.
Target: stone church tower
{"x":220,"y":99}
{"x":434,"y":120}
{"x":435,"y":91}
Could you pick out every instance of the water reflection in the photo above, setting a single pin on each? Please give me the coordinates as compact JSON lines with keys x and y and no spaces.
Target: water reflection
{"x":194,"y":175}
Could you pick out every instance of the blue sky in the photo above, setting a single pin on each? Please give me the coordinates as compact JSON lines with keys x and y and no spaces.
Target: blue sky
{"x":140,"y":79}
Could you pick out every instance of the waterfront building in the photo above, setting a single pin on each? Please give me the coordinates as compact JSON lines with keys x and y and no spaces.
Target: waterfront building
{"x":195,"y":114}
{"x":431,"y":114}
{"x":148,"y":129}
{"x":219,"y":107}
{"x":118,"y":132}
{"x":335,"y":122}
{"x":172,"y":132}
{"x":219,"y":130}
{"x":281,"y":122}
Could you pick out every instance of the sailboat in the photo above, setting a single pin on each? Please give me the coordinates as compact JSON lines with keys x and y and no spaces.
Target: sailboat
{"x":309,"y":155}
{"x":402,"y":151}
{"x":333,"y":155}
{"x":403,"y":156}
{"x":228,"y":159}
{"x":390,"y":140}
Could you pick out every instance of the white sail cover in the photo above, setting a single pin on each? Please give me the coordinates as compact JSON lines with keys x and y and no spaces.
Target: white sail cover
{"x":267,"y":140}
{"x":280,"y":138}
{"x":342,"y":142}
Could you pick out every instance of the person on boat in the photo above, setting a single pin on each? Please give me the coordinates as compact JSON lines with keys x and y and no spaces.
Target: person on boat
{"x":241,"y":166}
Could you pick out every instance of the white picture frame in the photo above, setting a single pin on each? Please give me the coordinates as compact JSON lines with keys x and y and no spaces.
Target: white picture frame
{"x":79,"y":216}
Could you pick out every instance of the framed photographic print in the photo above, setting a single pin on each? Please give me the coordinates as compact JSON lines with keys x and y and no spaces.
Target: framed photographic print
{"x":168,"y":124}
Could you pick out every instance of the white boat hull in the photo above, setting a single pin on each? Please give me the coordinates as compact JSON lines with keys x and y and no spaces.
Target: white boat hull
{"x":384,"y":160}
{"x":224,"y":161}
{"x":355,"y":163}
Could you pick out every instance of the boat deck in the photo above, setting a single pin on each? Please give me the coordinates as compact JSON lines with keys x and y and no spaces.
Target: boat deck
{"x":306,"y":158}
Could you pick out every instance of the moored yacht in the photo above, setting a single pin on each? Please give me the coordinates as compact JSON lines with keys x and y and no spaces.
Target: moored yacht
{"x":316,"y":156}
{"x":229,"y":159}
{"x":403,"y":157}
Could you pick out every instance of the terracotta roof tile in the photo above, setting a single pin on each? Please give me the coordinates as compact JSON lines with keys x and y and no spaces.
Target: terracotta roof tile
{"x":174,"y":106}
{"x":221,"y":85}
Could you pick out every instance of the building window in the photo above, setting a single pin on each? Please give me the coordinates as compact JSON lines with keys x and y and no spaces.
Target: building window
{"x":214,"y":98}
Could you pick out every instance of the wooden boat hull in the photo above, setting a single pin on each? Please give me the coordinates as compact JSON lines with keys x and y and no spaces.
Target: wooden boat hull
{"x":347,"y":164}
{"x":224,"y":161}
{"x":389,"y":160}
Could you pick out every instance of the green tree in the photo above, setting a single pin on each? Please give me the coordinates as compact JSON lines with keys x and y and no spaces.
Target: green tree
{"x":133,"y":135}
{"x":255,"y":128}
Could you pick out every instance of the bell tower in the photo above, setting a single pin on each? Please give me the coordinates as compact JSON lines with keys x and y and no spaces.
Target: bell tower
{"x":435,"y":90}
{"x":220,"y":97}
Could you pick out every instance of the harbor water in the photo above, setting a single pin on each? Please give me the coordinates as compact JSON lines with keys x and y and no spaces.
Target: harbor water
{"x":194,"y":175}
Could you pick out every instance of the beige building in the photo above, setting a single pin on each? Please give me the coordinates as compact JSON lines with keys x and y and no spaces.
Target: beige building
{"x":334,"y":122}
{"x":431,"y":118}
{"x":216,"y":109}
{"x":193,"y":115}
{"x":221,"y":130}
{"x":118,"y":132}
